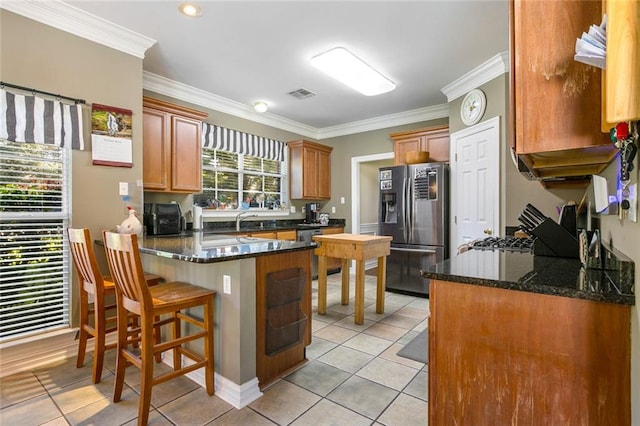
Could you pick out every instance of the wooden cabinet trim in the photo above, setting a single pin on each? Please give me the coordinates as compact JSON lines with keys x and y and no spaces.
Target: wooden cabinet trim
{"x":173,"y":109}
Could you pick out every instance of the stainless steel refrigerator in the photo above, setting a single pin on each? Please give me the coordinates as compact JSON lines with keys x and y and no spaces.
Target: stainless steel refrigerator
{"x":414,"y":211}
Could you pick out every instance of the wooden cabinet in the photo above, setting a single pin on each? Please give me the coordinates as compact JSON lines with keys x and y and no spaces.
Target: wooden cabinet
{"x":283,"y":313}
{"x":172,"y":147}
{"x":526,"y":358}
{"x":272,"y":235}
{"x":309,"y":170}
{"x":435,"y":140}
{"x":555,"y":100}
{"x":622,"y":93}
{"x":333,"y":263}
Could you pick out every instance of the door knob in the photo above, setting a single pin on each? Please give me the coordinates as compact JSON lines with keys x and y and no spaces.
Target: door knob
{"x":488,"y":231}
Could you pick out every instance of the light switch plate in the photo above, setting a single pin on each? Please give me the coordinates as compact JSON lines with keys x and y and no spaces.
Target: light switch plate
{"x":226,"y":284}
{"x":333,"y":209}
{"x":124,"y":188}
{"x":292,"y":209}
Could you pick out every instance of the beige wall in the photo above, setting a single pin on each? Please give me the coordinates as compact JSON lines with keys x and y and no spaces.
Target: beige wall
{"x":516,"y":190}
{"x":31,"y":55}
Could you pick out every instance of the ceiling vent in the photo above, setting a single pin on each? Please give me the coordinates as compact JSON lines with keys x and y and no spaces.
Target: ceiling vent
{"x":302,"y":93}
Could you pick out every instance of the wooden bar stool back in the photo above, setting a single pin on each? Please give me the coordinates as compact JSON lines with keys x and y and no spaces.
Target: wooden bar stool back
{"x":168,"y":301}
{"x":93,"y":285}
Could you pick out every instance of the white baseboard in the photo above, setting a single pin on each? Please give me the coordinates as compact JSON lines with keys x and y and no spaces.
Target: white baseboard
{"x":237,"y":395}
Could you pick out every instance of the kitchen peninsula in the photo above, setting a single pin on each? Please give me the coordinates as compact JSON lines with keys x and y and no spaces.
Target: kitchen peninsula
{"x":516,"y":338}
{"x":262,"y":309}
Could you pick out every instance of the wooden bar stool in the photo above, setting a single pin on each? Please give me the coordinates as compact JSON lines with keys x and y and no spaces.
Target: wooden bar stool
{"x":167,"y":300}
{"x":94,"y":284}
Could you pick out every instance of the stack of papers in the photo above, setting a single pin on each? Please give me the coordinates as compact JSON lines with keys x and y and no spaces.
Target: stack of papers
{"x":591,"y":48}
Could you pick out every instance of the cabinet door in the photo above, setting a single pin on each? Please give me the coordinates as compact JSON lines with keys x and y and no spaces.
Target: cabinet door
{"x":323,"y":189}
{"x":155,"y":149}
{"x":310,"y":174}
{"x":557,"y":100}
{"x":437,"y":143}
{"x":402,"y":146}
{"x":269,"y":235}
{"x":286,"y":235}
{"x":186,"y":154}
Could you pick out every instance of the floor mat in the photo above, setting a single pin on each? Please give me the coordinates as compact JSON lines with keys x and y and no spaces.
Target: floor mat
{"x":418,"y":348}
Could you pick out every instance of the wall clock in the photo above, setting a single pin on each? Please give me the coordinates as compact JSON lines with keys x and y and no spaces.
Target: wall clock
{"x":473,"y":106}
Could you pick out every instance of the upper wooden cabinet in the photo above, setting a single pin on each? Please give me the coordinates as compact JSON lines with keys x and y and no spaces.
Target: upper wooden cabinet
{"x":309,"y":170}
{"x":435,"y":140}
{"x":555,"y":101}
{"x":622,"y":76}
{"x":172,"y":147}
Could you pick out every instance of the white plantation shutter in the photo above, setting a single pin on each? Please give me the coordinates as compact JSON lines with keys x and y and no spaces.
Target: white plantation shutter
{"x":34,"y":214}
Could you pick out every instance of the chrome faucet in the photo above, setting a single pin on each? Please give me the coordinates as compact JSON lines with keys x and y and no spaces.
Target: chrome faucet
{"x":242,"y":216}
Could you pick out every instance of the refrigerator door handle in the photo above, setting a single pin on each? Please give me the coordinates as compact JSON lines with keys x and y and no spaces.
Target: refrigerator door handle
{"x":407,"y":207}
{"x":413,"y":250}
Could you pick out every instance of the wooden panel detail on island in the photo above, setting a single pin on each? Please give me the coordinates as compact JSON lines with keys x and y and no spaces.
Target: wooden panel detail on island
{"x":283,"y":313}
{"x":499,"y":356}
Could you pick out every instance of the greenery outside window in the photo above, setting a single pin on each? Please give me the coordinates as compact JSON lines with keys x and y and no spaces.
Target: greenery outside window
{"x":241,"y":181}
{"x":34,"y":214}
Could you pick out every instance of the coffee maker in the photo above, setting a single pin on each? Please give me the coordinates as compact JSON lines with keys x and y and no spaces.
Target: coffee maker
{"x":312,"y":210}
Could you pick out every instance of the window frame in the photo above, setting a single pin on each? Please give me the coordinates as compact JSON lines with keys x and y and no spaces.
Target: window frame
{"x":259,"y":211}
{"x":59,"y":222}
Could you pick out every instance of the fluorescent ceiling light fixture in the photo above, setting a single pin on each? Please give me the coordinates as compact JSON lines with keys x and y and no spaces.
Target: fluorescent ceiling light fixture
{"x":260,"y":106}
{"x":345,"y":67}
{"x":190,"y":9}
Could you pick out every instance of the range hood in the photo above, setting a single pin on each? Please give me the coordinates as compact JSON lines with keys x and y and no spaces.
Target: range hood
{"x":564,"y":168}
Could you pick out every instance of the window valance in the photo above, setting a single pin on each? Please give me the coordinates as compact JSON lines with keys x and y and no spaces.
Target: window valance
{"x":33,"y":119}
{"x":216,"y":137}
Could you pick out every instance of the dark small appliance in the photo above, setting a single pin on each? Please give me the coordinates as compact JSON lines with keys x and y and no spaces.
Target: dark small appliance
{"x":163,"y":218}
{"x":312,"y":211}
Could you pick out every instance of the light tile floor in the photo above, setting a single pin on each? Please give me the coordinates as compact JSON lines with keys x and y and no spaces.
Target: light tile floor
{"x":353,"y":377}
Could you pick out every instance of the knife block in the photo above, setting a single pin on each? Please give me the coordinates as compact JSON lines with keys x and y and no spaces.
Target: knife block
{"x":554,"y":240}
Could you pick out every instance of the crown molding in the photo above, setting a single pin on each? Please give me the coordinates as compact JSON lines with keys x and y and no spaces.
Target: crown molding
{"x":164,"y":86}
{"x":385,"y":121}
{"x":177,"y":90}
{"x":70,"y":19}
{"x":487,"y":71}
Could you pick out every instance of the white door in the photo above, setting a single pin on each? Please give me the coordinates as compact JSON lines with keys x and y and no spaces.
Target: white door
{"x":475,"y":183}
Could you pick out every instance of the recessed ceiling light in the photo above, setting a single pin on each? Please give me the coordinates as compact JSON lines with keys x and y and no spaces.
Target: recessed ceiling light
{"x":190,"y":9}
{"x":260,"y":106}
{"x":345,"y":67}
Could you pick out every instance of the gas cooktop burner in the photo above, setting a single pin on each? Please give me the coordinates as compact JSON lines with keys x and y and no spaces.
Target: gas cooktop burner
{"x":505,"y":244}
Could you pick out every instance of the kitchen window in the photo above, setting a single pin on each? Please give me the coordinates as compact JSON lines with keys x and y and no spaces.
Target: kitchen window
{"x":242,"y":171}
{"x":34,"y":213}
{"x":36,"y":139}
{"x":233,"y":181}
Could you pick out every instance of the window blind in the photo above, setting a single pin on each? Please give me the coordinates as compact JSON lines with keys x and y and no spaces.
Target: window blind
{"x":34,"y":266}
{"x":216,"y":137}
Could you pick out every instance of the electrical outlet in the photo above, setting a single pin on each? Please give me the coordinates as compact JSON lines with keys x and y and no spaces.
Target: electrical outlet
{"x":292,"y":209}
{"x":341,"y":200}
{"x":333,"y":209}
{"x":124,"y":188}
{"x":304,"y":209}
{"x":226,"y":284}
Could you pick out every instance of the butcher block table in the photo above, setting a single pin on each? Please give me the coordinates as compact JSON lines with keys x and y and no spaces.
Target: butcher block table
{"x":352,"y":247}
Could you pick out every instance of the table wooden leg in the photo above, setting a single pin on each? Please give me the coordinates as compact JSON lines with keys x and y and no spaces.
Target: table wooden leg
{"x":322,"y":285}
{"x":359,"y":315}
{"x":382,"y":276}
{"x":346,"y":264}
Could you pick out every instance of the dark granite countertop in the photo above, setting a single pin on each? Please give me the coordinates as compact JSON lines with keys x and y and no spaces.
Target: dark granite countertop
{"x":537,"y":274}
{"x":199,"y":247}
